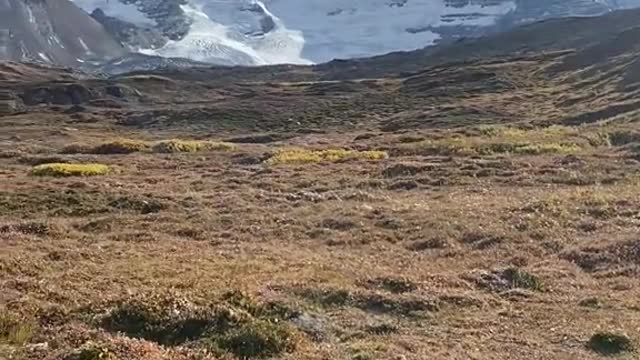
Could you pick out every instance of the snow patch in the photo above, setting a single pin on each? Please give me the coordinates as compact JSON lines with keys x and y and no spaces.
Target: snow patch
{"x":209,"y":41}
{"x":32,"y":19}
{"x":44,"y":57}
{"x":83,"y":44}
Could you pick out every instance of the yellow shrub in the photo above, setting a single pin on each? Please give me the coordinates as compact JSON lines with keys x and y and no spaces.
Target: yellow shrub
{"x":504,"y":140}
{"x":302,"y":156}
{"x":509,"y":133}
{"x":59,"y":170}
{"x":176,"y":146}
{"x":551,"y":148}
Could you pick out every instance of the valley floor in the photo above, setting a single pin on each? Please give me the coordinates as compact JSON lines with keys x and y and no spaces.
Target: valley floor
{"x":484,"y":242}
{"x":483,"y":209}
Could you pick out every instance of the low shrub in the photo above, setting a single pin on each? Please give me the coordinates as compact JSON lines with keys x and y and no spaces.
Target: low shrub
{"x":235,"y":324}
{"x":470,"y":146}
{"x":521,"y":279}
{"x":258,"y":339}
{"x":624,"y":137}
{"x":117,"y":146}
{"x":490,"y":140}
{"x":14,"y":331}
{"x":28,"y":228}
{"x":368,"y":301}
{"x":178,"y":146}
{"x":607,"y":343}
{"x":76,"y":149}
{"x":391,"y":284}
{"x":508,"y":279}
{"x":551,"y":148}
{"x":120,"y":146}
{"x":304,"y":156}
{"x":91,"y":351}
{"x":64,"y":170}
{"x":128,"y":146}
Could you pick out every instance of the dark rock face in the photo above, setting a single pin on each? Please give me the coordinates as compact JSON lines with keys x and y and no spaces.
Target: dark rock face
{"x":171,"y":20}
{"x":52,"y":31}
{"x":71,"y":94}
{"x":78,"y":94}
{"x":250,"y":19}
{"x":131,"y":35}
{"x":140,"y":62}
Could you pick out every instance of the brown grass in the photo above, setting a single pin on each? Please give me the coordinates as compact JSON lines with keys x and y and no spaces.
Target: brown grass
{"x":468,"y":241}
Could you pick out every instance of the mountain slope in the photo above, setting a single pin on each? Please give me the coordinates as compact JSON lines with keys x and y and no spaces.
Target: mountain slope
{"x":577,"y":33}
{"x":52,"y":31}
{"x":251,"y":32}
{"x":591,"y":74}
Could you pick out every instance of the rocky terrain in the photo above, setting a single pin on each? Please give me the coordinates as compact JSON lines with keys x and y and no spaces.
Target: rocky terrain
{"x":474,"y":200}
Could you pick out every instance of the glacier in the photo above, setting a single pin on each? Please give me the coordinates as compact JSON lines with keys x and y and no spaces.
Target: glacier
{"x":253,"y":32}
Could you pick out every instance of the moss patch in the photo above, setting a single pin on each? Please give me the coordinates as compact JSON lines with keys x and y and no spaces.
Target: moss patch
{"x":64,"y":170}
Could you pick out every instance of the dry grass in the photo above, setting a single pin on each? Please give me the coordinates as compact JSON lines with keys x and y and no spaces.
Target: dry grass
{"x":521,"y":246}
{"x":64,"y":170}
{"x":338,"y":260}
{"x":14,"y":331}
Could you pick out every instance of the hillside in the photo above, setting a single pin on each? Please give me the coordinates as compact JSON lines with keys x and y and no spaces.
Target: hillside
{"x":474,"y":200}
{"x":52,"y":32}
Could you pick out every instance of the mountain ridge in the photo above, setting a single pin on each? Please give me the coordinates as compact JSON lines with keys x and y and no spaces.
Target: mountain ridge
{"x":259,"y":33}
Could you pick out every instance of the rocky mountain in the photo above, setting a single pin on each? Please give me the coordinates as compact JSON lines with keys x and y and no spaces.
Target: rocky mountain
{"x":142,"y":34}
{"x":253,"y":32}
